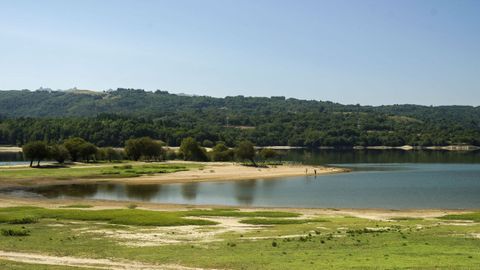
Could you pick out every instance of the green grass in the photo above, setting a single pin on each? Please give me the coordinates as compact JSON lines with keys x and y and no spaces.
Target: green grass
{"x":471,"y":216}
{"x":340,"y":243}
{"x":278,"y":221}
{"x":114,"y":216}
{"x":10,"y":265}
{"x":107,"y":170}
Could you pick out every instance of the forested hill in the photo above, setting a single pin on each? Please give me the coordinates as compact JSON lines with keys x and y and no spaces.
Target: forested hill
{"x":111,"y":117}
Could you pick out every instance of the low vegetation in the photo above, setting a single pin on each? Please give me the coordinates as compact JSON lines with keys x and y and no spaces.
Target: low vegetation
{"x":15,"y":232}
{"x":77,"y":206}
{"x":118,"y":216}
{"x":234,"y":213}
{"x":471,"y":216}
{"x":277,"y":221}
{"x":94,"y":171}
{"x":338,"y":242}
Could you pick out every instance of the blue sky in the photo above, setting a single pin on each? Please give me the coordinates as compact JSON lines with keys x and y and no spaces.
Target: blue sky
{"x":367,"y":52}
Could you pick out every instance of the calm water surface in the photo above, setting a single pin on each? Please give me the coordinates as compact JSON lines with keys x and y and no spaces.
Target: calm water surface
{"x":380,"y":179}
{"x":393,"y":186}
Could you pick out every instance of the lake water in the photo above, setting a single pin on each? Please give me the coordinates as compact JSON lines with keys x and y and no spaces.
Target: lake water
{"x":379,"y":179}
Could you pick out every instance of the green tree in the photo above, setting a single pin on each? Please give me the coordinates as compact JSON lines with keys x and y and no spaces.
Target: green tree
{"x":144,"y":147}
{"x":207,"y":143}
{"x":74,"y":146}
{"x":109,"y":153}
{"x":267,"y":153}
{"x":191,"y":150}
{"x":36,"y":150}
{"x":134,"y":149}
{"x":245,"y":150}
{"x":87,"y":151}
{"x":59,"y":153}
{"x":220,"y":152}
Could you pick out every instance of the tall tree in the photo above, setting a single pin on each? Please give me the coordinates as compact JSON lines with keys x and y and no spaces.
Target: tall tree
{"x":191,"y":150}
{"x":36,"y":150}
{"x":245,"y":150}
{"x":74,"y":146}
{"x":59,"y":153}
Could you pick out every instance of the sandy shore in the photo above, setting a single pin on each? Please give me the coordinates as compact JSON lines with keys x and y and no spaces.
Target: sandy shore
{"x":10,"y":149}
{"x":211,"y":171}
{"x":372,"y":214}
{"x":223,"y":171}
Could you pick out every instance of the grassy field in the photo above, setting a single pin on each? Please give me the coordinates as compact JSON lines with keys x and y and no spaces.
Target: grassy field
{"x":289,"y":241}
{"x":94,"y":171}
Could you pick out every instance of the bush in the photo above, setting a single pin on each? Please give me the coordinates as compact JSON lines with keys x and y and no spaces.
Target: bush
{"x":24,"y":220}
{"x":132,"y":206}
{"x":267,"y":153}
{"x":221,"y":153}
{"x":171,"y":155}
{"x":15,"y":232}
{"x":207,"y":143}
{"x":192,"y":151}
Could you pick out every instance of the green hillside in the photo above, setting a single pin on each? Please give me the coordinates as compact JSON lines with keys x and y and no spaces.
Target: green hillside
{"x":111,"y":117}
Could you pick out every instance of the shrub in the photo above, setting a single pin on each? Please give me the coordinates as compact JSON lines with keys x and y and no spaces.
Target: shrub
{"x":132,"y":206}
{"x":24,"y":220}
{"x":15,"y":232}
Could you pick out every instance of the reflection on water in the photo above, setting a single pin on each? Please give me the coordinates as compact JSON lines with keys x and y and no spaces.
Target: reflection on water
{"x":315,"y":156}
{"x":142,"y":192}
{"x":404,"y":186}
{"x":245,"y":191}
{"x":189,"y":191}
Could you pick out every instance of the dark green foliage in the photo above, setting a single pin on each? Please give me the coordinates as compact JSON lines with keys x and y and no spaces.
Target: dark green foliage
{"x":144,"y":147}
{"x":110,"y":118}
{"x":88,"y":151}
{"x":220,"y":152}
{"x":15,"y":232}
{"x":192,"y":151}
{"x":59,"y":153}
{"x":36,"y":150}
{"x":24,"y":220}
{"x":75,"y":147}
{"x":171,"y":155}
{"x":110,"y":154}
{"x":207,"y":143}
{"x":245,"y":150}
{"x":267,"y":153}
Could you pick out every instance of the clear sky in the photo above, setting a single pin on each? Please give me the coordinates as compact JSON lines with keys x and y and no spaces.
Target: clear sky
{"x":367,"y":52}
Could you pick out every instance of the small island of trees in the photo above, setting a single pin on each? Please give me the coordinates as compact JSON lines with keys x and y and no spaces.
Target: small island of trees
{"x":146,"y":149}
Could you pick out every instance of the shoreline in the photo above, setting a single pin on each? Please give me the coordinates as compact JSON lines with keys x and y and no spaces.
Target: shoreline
{"x":210,"y":172}
{"x":98,"y":204}
{"x":459,"y":148}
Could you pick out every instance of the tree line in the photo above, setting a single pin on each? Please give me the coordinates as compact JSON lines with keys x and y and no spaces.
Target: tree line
{"x":111,"y":118}
{"x":146,"y":149}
